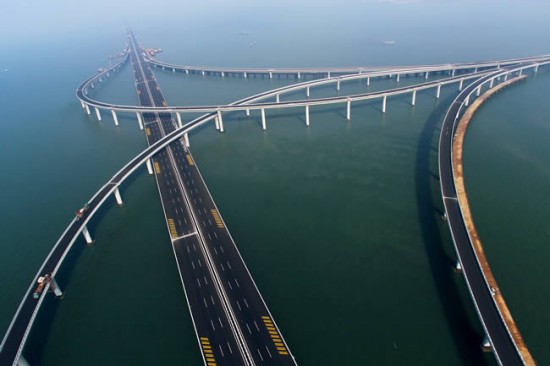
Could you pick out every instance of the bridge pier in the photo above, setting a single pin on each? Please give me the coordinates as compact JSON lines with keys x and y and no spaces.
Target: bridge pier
{"x":536,"y":67}
{"x":398,"y":75}
{"x":478,"y":91}
{"x":298,"y":75}
{"x":22,"y":361}
{"x":149,"y":167}
{"x":520,"y":72}
{"x":118,"y":197}
{"x":277,"y":99}
{"x":461,"y":84}
{"x":140,"y":121}
{"x":338,"y":85}
{"x":202,"y":72}
{"x":54,"y":287}
{"x":427,"y":74}
{"x":244,"y":75}
{"x":115,"y":118}
{"x":270,"y":75}
{"x":438,"y":93}
{"x":88,"y":109}
{"x":82,"y":104}
{"x":173,"y":70}
{"x":98,"y":114}
{"x":186,"y":71}
{"x":384,"y":104}
{"x":217,"y":123}
{"x":368,"y":81}
{"x":453,"y":72}
{"x":92,"y":85}
{"x":307,"y":92}
{"x":348,"y":111}
{"x":413,"y":100}
{"x":186,"y":139}
{"x":467,"y":101}
{"x":263,"y":120}
{"x":505,"y":77}
{"x":475,"y":70}
{"x":178,"y":115}
{"x":223,"y":74}
{"x":220,"y":120}
{"x":491,"y":83}
{"x":307,"y":115}
{"x":486,"y":344}
{"x":248,"y":112}
{"x":87,"y":235}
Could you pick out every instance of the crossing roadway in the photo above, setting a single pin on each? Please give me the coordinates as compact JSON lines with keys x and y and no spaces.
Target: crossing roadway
{"x":232,"y":322}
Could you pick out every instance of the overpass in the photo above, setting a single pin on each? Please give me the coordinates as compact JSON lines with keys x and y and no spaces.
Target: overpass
{"x":12,"y":345}
{"x":501,"y":334}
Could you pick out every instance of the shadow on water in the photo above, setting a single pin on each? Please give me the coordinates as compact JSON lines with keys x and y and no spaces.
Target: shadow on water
{"x":465,"y":336}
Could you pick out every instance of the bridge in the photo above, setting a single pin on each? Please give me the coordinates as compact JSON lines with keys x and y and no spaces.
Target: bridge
{"x":171,"y":155}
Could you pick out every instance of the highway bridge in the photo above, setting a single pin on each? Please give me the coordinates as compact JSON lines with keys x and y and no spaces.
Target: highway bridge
{"x":178,"y":161}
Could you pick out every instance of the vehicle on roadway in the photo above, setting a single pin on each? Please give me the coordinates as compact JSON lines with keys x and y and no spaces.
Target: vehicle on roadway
{"x":81,"y":212}
{"x":42,"y":281}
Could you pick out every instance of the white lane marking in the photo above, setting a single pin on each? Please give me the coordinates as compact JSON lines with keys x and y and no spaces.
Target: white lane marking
{"x":229,"y":265}
{"x":247,"y":327}
{"x":199,"y":282}
{"x":260,"y":354}
{"x":205,"y":303}
{"x":216,"y":235}
{"x":229,"y":283}
{"x":229,"y":346}
{"x":221,"y":248}
{"x":211,"y":322}
{"x":193,"y":264}
{"x":215,"y":251}
{"x":246,"y":303}
{"x":213,"y":302}
{"x":205,"y":281}
{"x":239,"y":305}
{"x":237,"y":282}
{"x":256,"y":324}
{"x":221,"y":349}
{"x":223,"y":268}
{"x":269,"y":353}
{"x":221,"y":324}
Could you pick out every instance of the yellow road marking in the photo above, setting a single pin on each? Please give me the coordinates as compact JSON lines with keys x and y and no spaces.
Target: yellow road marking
{"x":172,"y":227}
{"x":148,"y":131}
{"x":207,"y":350}
{"x":217,"y":218}
{"x":157,"y":168}
{"x":190,"y":159}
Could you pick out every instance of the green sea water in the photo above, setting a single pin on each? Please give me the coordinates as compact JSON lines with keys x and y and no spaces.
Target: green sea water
{"x":339,"y":223}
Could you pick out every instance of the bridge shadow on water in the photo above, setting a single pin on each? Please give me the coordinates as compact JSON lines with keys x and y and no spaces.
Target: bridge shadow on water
{"x":466,"y":337}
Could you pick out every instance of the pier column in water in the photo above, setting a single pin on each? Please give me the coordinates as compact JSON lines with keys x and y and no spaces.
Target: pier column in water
{"x":348,"y":111}
{"x":88,"y":109}
{"x":536,"y":67}
{"x":140,"y":121}
{"x":427,"y":74}
{"x":220,"y":120}
{"x":398,"y":75}
{"x":83,"y":105}
{"x":453,"y":73}
{"x":217,"y":122}
{"x":22,"y":361}
{"x":87,"y":235}
{"x":223,"y":74}
{"x":270,"y":75}
{"x":491,"y":83}
{"x":461,"y":84}
{"x":149,"y":166}
{"x":368,"y":81}
{"x":478,"y":91}
{"x":202,"y":72}
{"x":98,"y":114}
{"x":505,"y":77}
{"x":178,"y":115}
{"x":277,"y":98}
{"x":118,"y":197}
{"x":115,"y":118}
{"x":413,"y":100}
{"x":54,"y":287}
{"x":263,"y":119}
{"x":338,"y":85}
{"x":307,"y":92}
{"x":299,"y":76}
{"x":307,"y":115}
{"x":186,"y":139}
{"x":438,"y":94}
{"x":186,"y":71}
{"x":328,"y":74}
{"x":245,"y":76}
{"x":467,"y":101}
{"x":248,"y":112}
{"x":384,"y":104}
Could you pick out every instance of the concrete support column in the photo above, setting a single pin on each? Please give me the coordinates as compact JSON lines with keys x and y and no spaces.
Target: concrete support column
{"x":536,"y":68}
{"x":475,"y":70}
{"x":223,"y":74}
{"x":202,"y":72}
{"x":140,"y":120}
{"x":217,"y":123}
{"x":413,"y":100}
{"x":307,"y":115}
{"x":348,"y":110}
{"x":248,"y":112}
{"x":92,"y":85}
{"x":491,"y":83}
{"x":263,"y":120}
{"x":307,"y":92}
{"x":328,"y":74}
{"x":186,"y":71}
{"x":178,"y":116}
{"x":186,"y":139}
{"x":384,"y":104}
{"x":338,"y":85}
{"x":220,"y":120}
{"x":54,"y":287}
{"x":270,"y":75}
{"x":398,"y":75}
{"x":98,"y":114}
{"x":88,"y":109}
{"x":486,"y":343}
{"x":149,"y":166}
{"x":453,"y":73}
{"x":368,"y":81}
{"x":520,"y":72}
{"x":467,"y":101}
{"x":115,"y":118}
{"x":427,"y":74}
{"x":22,"y":361}
{"x":460,"y":85}
{"x":173,"y":70}
{"x":245,"y":76}
{"x":277,"y":99}
{"x":118,"y":197}
{"x":87,"y":235}
{"x":299,"y":76}
{"x":478,"y":91}
{"x":505,"y":77}
{"x":82,"y":104}
{"x":438,"y":94}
